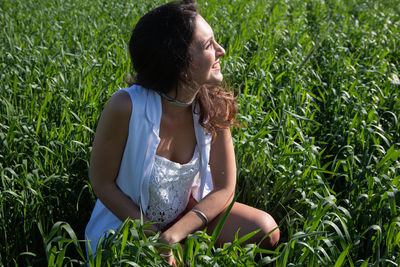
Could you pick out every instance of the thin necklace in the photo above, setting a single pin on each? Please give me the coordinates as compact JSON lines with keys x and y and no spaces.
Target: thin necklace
{"x":174,"y":101}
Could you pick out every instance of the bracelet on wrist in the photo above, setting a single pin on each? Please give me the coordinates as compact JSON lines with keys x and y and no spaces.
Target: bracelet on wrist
{"x":201,"y":215}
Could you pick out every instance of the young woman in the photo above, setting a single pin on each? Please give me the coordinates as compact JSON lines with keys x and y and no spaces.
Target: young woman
{"x":163,"y":147}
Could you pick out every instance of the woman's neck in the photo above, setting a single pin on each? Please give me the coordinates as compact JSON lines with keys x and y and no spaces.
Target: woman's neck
{"x":173,"y":111}
{"x":183,"y":94}
{"x":175,"y":101}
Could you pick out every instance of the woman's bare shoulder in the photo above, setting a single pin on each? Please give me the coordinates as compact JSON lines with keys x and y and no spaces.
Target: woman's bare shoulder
{"x":119,"y":103}
{"x":115,"y":116}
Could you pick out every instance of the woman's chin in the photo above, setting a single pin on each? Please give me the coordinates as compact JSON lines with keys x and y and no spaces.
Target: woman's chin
{"x":213,"y":84}
{"x":217,"y":79}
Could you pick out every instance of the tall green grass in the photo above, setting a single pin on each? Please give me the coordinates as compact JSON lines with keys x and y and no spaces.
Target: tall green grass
{"x":318,"y":92}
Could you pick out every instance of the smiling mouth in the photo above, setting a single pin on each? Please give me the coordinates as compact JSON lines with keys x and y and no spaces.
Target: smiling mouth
{"x":216,"y":66}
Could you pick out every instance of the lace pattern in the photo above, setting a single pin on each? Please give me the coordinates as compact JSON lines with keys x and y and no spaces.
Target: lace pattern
{"x":170,"y":187}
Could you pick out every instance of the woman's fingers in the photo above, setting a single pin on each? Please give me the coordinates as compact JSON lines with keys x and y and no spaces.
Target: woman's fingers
{"x":172,"y":261}
{"x":168,"y":256}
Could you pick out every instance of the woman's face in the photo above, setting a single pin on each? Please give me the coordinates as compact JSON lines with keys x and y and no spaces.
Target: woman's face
{"x":205,"y":52}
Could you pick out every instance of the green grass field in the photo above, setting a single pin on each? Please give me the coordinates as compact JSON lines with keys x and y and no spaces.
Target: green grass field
{"x":317,"y":84}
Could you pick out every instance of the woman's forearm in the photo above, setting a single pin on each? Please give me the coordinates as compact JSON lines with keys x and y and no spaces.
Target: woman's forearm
{"x":212,"y":205}
{"x":119,"y":203}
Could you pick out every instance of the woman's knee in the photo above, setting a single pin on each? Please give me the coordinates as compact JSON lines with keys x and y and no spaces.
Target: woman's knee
{"x":270,"y":230}
{"x":247,"y":219}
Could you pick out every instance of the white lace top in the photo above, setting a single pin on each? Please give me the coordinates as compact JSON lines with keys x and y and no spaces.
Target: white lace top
{"x":170,"y":186}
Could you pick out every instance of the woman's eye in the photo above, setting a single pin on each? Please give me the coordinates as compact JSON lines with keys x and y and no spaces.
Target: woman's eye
{"x":209,"y":45}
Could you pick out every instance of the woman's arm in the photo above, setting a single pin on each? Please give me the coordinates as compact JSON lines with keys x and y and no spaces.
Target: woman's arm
{"x":106,"y":156}
{"x":223,"y":171}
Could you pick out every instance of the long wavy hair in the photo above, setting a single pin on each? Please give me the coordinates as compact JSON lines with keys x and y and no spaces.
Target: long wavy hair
{"x":159,"y":50}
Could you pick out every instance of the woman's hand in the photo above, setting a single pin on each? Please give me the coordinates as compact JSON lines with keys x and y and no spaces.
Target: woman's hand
{"x":167,"y":254}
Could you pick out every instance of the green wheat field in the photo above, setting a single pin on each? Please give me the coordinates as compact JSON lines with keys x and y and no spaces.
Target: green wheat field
{"x":317,"y":83}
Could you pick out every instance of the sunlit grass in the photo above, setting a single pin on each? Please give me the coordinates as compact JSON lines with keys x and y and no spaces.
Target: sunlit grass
{"x":317,"y":92}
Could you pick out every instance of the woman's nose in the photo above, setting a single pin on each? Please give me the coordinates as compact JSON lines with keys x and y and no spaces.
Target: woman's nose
{"x":219,"y":51}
